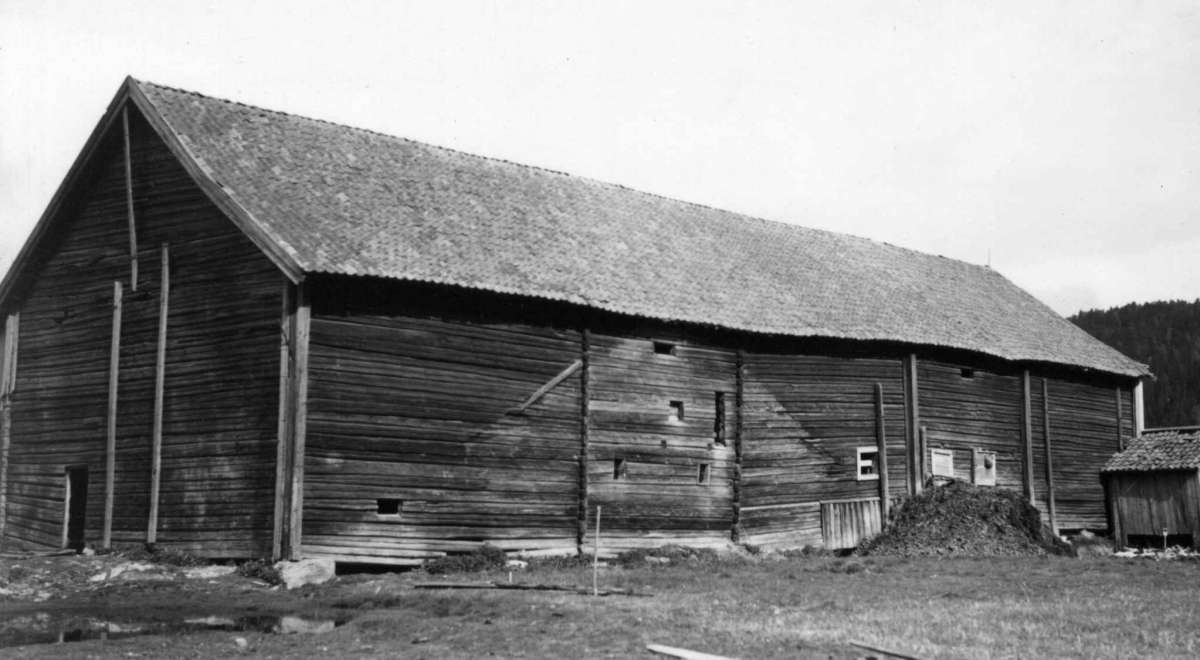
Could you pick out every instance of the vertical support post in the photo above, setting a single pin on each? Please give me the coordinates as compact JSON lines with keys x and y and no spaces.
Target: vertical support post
{"x":8,"y":381}
{"x":596,"y":556}
{"x":283,"y":446}
{"x":1120,"y":415}
{"x":160,"y":374}
{"x":133,"y":251}
{"x":881,"y":446}
{"x":66,"y":512}
{"x":1139,"y":409}
{"x":1027,"y":433}
{"x":299,"y":379}
{"x":110,"y":446}
{"x":1049,"y":456}
{"x":739,"y":398}
{"x":585,"y":356}
{"x":916,"y":449}
{"x":924,"y":435}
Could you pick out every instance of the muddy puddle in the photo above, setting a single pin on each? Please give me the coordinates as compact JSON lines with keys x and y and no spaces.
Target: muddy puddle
{"x":55,"y":628}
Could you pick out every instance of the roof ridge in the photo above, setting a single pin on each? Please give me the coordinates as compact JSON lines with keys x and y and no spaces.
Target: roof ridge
{"x":768,"y":222}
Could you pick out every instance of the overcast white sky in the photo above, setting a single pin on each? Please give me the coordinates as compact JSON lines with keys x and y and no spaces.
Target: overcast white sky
{"x":1061,"y":139}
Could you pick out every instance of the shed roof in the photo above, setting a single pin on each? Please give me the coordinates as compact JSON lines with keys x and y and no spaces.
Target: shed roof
{"x":324,"y":198}
{"x":1158,"y":450}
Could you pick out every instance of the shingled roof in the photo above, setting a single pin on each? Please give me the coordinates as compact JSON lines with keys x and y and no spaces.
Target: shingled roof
{"x":1158,"y":450}
{"x":325,"y":198}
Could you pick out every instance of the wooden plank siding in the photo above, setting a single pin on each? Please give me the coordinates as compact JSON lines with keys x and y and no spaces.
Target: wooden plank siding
{"x":804,"y":417}
{"x":964,"y":407}
{"x":644,"y":462}
{"x":413,"y":411}
{"x":1147,"y":503}
{"x":1083,"y":435}
{"x":219,"y":407}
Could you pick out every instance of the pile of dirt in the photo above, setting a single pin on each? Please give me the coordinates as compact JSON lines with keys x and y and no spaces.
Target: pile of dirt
{"x":962,"y":520}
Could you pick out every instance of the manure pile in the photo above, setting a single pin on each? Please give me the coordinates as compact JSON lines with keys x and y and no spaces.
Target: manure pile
{"x":962,"y":520}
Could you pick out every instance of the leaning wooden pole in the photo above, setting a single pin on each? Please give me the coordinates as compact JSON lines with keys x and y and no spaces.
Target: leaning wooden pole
{"x":585,"y":357}
{"x":596,"y":556}
{"x":1027,"y":434}
{"x":160,"y":374}
{"x":133,"y":249}
{"x":1049,"y":457}
{"x":881,"y":447}
{"x":110,"y":445}
{"x":916,"y":450}
{"x":8,"y":377}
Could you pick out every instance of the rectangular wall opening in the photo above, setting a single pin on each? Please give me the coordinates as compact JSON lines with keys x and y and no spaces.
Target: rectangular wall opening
{"x":702,"y":474}
{"x":676,"y":411}
{"x":388,"y":506}
{"x":75,"y":518}
{"x":664,"y":348}
{"x":719,"y":418}
{"x":620,"y":469}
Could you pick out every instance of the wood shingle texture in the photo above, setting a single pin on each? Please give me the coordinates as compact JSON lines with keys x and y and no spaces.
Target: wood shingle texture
{"x":1158,"y":450}
{"x":334,"y":199}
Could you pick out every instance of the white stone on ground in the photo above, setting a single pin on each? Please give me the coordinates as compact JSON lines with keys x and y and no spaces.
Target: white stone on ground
{"x":296,"y":574}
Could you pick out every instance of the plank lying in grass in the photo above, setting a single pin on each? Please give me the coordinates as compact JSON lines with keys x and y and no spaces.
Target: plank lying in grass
{"x":684,"y":654}
{"x":526,"y":587}
{"x":887,"y":652}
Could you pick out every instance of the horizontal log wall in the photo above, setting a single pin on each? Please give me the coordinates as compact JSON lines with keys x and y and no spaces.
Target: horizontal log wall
{"x":416,"y":413}
{"x":804,"y":418}
{"x":973,"y":409}
{"x":644,"y":463}
{"x":1083,"y":436}
{"x":221,"y":371}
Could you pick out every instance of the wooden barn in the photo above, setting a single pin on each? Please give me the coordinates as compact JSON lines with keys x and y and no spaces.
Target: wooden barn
{"x":1153,"y":489}
{"x":239,"y":332}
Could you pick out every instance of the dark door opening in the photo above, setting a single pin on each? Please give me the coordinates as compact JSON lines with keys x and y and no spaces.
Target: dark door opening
{"x":76,"y":519}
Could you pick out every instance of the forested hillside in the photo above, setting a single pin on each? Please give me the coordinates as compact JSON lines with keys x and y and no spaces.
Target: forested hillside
{"x":1165,"y":335}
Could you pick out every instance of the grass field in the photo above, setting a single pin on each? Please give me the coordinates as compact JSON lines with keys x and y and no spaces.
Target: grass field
{"x":800,"y":607}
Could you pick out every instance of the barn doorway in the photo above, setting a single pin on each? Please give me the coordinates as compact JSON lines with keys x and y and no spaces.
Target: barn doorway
{"x":75,"y":512}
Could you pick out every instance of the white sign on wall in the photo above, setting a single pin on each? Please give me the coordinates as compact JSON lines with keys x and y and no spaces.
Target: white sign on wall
{"x":943,"y":462}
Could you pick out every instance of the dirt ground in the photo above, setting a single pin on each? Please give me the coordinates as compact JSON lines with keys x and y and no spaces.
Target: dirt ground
{"x":792,"y":606}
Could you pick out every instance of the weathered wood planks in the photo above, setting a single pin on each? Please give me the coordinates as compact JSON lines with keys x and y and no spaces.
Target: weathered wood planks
{"x":1084,"y":435}
{"x":654,"y":405}
{"x":1149,"y":504}
{"x":422,"y":421}
{"x":218,"y":404}
{"x":805,"y":418}
{"x":965,"y":407}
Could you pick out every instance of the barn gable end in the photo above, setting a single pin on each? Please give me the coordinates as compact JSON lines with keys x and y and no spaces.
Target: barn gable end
{"x":218,"y":410}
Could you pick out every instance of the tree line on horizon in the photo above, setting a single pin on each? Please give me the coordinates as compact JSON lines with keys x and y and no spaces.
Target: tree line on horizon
{"x":1166,"y":336}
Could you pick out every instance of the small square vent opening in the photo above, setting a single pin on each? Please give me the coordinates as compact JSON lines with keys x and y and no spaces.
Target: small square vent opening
{"x":388,"y":507}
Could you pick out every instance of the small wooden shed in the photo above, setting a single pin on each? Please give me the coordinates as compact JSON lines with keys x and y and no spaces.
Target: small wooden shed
{"x":1153,"y":489}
